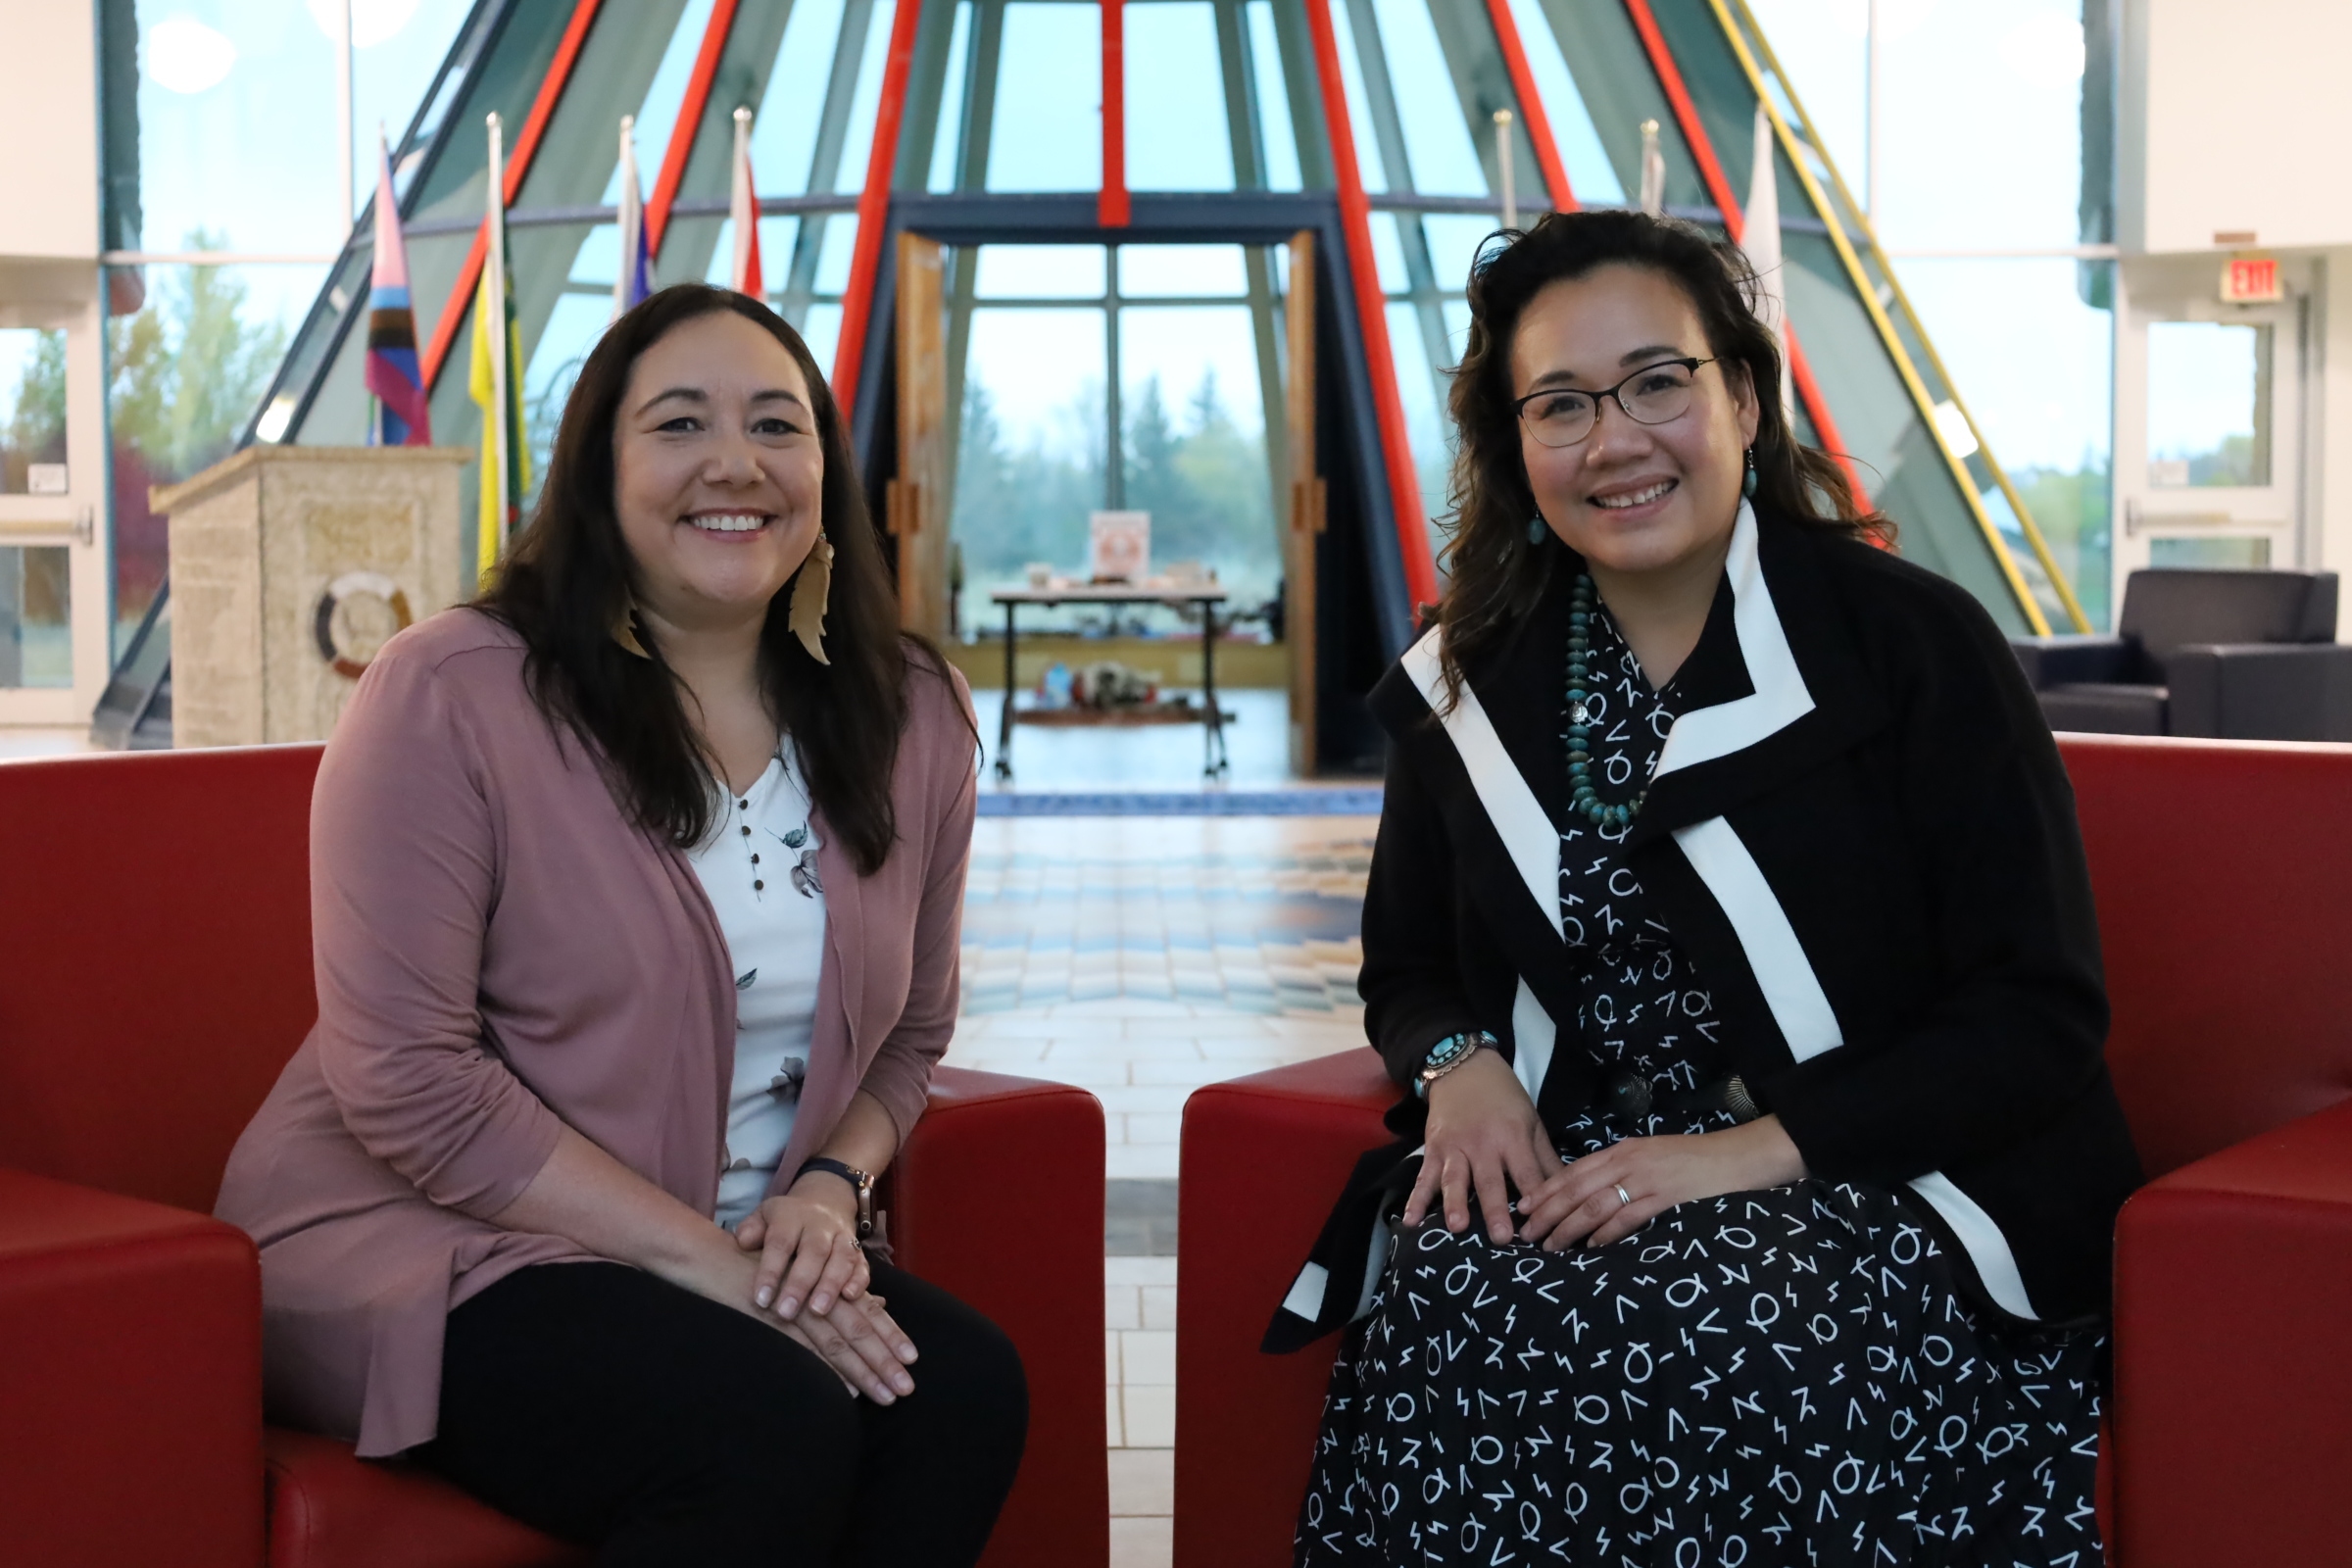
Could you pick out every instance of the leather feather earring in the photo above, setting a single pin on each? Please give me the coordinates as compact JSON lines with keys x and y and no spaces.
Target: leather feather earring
{"x":809,"y":597}
{"x":1747,"y":480}
{"x":624,"y":630}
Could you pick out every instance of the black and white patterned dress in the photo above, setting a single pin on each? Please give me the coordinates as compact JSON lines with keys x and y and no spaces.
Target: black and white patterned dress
{"x":1768,"y":1378}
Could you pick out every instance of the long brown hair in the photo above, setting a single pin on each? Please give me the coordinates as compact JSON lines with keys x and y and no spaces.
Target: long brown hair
{"x":1497,"y":574}
{"x":570,"y":578}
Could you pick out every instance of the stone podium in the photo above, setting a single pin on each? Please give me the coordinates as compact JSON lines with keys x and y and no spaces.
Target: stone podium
{"x":290,"y":567}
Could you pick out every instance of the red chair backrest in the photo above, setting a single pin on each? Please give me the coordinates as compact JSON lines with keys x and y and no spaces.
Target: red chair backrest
{"x":2224,"y":876}
{"x":155,"y":944}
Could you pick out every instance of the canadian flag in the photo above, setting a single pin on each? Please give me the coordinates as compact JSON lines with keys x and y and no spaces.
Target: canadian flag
{"x":743,"y":210}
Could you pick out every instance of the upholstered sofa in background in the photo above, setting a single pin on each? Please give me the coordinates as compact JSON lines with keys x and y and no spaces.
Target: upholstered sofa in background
{"x":2224,"y":877}
{"x":155,"y":975}
{"x":2246,"y":656}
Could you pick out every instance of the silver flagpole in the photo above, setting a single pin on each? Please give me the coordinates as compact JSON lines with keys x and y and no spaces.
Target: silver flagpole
{"x":496,"y":295}
{"x":1502,"y":161}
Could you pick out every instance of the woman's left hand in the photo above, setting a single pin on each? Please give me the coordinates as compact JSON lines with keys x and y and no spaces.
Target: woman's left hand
{"x":1607,"y":1196}
{"x":807,"y":1240}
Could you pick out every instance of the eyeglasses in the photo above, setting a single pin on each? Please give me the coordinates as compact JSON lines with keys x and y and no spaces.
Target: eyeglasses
{"x":1562,"y":417}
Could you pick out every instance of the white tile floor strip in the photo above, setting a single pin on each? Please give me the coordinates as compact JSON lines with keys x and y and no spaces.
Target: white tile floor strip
{"x":1140,"y":958}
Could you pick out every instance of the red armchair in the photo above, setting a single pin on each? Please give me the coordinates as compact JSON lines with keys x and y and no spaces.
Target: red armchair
{"x":155,"y":932}
{"x":2224,"y":877}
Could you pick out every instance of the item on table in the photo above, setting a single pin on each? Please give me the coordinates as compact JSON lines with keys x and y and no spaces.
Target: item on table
{"x":1120,"y":546}
{"x":1107,"y":684}
{"x":1054,"y":689}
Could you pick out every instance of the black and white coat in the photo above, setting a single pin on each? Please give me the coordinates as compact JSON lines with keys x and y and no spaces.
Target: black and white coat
{"x":1860,"y":834}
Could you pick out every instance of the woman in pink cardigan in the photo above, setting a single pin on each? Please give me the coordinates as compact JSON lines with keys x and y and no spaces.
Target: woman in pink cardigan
{"x":636,"y":889}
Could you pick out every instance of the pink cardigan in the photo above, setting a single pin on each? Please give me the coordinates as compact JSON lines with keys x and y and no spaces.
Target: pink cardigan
{"x":498,"y":953}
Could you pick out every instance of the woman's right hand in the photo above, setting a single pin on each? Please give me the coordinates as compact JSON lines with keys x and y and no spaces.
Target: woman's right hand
{"x":1481,"y":1128}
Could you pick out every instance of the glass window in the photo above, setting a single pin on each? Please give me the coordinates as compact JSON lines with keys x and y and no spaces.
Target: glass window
{"x":236,"y":120}
{"x":865,"y":104}
{"x":2036,"y":366}
{"x":1178,"y":135}
{"x":184,"y":376}
{"x":1047,"y":131}
{"x":36,"y":641}
{"x":1437,"y":135}
{"x":1196,"y":270}
{"x":1360,"y":107}
{"x":396,"y":46}
{"x":1387,"y":254}
{"x":1273,"y":99}
{"x":2226,"y":552}
{"x":573,"y":328}
{"x":1041,"y":272}
{"x":947,"y":141}
{"x":1195,"y":441}
{"x":1030,"y":452}
{"x":658,"y":113}
{"x":32,"y":412}
{"x":1453,"y":241}
{"x":2209,"y":404}
{"x":1426,"y":425}
{"x":1591,"y":178}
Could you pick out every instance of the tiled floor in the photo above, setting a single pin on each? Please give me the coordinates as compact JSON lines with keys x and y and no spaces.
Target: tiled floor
{"x":1141,"y":957}
{"x":27,"y":741}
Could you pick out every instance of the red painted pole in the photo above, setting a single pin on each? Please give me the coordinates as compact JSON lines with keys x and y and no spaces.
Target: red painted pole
{"x":1719,"y":187}
{"x":1371,"y":307}
{"x":1531,"y":106}
{"x":518,"y":164}
{"x":1111,"y":208}
{"x":873,"y":207}
{"x":690,"y":120}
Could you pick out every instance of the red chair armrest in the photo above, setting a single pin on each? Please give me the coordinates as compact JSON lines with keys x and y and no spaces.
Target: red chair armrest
{"x":2233,"y":1306}
{"x":131,"y":1385}
{"x":998,"y":1197}
{"x":1263,"y":1159}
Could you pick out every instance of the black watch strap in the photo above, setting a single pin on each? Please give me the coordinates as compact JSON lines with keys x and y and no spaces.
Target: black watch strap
{"x":861,"y":1183}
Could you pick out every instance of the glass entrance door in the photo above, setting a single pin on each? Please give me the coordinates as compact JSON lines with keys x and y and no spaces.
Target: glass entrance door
{"x":2209,"y":415}
{"x":54,"y":581}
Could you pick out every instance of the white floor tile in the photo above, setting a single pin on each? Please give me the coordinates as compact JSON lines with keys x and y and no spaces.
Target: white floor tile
{"x":1147,"y":1355}
{"x":1113,"y":1426}
{"x":1143,"y":1483}
{"x":1140,"y":1161}
{"x":1150,"y":1415}
{"x":1158,"y":1308}
{"x":1142,"y":1543}
{"x":1139,"y":1271}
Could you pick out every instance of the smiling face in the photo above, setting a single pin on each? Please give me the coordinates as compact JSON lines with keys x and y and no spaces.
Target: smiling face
{"x":718,"y":474}
{"x":1632,"y":498}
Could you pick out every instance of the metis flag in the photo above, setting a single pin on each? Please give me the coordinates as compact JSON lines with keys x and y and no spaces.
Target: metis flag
{"x":635,"y":279}
{"x":497,"y":381}
{"x":743,"y":210}
{"x":402,"y":416}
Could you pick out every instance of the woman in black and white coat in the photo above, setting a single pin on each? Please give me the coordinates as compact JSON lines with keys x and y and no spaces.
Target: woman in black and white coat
{"x":1730,"y":934}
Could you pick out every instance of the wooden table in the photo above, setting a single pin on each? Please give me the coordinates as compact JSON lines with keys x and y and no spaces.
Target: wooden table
{"x":1208,"y":596}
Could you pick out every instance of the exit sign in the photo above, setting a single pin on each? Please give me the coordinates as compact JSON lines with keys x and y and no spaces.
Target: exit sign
{"x":2251,"y":280}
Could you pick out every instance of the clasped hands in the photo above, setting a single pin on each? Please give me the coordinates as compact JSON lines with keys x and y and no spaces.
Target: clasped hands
{"x":1484,"y":1129}
{"x":811,"y":1283}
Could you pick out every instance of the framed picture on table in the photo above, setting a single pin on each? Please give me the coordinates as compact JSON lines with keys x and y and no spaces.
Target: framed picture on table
{"x":1120,"y":546}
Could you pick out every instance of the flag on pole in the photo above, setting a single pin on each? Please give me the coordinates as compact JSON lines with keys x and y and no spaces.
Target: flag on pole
{"x":1761,"y":238}
{"x":401,"y":415}
{"x":1653,"y":172}
{"x":635,"y":279}
{"x":496,"y":383}
{"x":744,"y":211}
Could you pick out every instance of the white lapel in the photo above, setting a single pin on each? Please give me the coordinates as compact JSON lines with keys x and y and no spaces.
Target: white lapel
{"x":1520,"y":821}
{"x":1780,"y":698}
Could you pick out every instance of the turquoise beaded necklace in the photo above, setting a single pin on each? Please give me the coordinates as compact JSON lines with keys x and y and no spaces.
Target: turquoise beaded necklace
{"x":1601,"y":813}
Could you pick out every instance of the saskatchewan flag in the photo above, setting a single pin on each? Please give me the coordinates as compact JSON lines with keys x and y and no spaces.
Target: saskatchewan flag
{"x":497,"y":381}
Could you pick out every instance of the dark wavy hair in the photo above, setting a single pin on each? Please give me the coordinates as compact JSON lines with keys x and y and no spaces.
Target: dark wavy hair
{"x":1495,"y":574}
{"x":570,"y":578}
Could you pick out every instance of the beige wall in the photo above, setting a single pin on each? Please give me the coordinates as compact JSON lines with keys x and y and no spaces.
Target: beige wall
{"x":48,"y":129}
{"x":2235,"y":118}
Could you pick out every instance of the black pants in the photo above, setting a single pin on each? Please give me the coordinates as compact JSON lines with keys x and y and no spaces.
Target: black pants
{"x":606,"y":1407}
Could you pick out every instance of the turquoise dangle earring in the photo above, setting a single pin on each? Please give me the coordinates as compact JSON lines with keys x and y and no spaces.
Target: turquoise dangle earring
{"x":1747,"y":480}
{"x":1537,"y":529}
